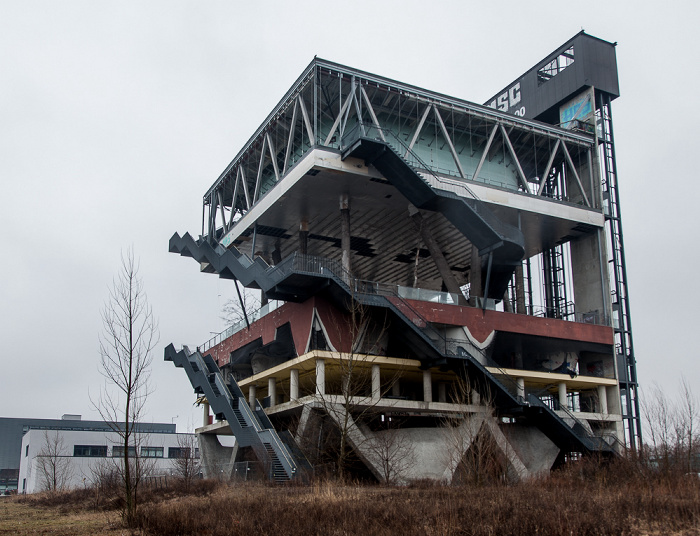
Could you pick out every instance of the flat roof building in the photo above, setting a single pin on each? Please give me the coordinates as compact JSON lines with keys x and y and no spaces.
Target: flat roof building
{"x":13,"y":429}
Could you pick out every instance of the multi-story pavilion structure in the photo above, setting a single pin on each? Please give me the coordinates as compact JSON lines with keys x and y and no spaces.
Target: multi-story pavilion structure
{"x":427,"y":262}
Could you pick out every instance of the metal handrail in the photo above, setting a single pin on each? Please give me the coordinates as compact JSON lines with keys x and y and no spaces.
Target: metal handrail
{"x":356,"y":286}
{"x":534,"y":397}
{"x":280,"y":448}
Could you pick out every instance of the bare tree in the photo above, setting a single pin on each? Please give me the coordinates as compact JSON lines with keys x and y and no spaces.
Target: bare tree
{"x":686,"y":426}
{"x":186,"y":464}
{"x":53,"y":463}
{"x":395,"y":453}
{"x":471,"y":452}
{"x":235,"y":310}
{"x":351,"y":401}
{"x":129,"y":335}
{"x":672,"y":428}
{"x":658,"y":414}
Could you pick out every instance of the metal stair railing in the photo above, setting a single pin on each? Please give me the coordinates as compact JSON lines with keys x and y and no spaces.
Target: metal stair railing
{"x":354,"y":134}
{"x":403,"y":151}
{"x":360,"y":289}
{"x":368,"y":293}
{"x":205,"y":376}
{"x":591,"y":441}
{"x":270,"y":437}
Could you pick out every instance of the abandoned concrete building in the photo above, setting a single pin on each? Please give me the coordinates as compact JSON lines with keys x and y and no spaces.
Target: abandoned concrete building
{"x":443,"y":283}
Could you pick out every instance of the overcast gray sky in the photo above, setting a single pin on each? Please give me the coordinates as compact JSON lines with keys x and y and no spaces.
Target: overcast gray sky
{"x":115,"y":118}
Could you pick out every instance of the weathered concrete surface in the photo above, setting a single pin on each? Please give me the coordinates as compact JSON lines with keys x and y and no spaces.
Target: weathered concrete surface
{"x":534,"y":449}
{"x":217,"y":460}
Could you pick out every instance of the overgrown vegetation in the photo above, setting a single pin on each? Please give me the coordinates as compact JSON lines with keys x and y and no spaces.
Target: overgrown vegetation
{"x":623,"y":498}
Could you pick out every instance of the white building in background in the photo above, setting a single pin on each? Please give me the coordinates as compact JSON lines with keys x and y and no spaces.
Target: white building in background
{"x":84,"y":454}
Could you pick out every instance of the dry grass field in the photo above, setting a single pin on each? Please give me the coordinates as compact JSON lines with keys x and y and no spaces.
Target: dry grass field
{"x":602,"y":503}
{"x":28,"y":517}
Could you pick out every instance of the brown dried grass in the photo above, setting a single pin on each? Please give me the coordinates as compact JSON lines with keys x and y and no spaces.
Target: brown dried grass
{"x":619,"y":499}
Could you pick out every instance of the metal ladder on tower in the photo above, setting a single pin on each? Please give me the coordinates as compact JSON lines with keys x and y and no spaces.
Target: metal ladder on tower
{"x":624,"y":349}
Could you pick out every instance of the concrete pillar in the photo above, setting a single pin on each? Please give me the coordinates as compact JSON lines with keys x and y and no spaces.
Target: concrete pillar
{"x":217,"y":461}
{"x":277,"y":253}
{"x":345,"y":384}
{"x":427,"y":386}
{"x":252,"y":395}
{"x":294,"y":384}
{"x":376,"y":382}
{"x":442,"y":392}
{"x":396,"y":388}
{"x":602,"y":399}
{"x":521,"y":387}
{"x":320,"y":377}
{"x":205,"y":414}
{"x":272,"y":391}
{"x":303,"y":237}
{"x":345,"y":231}
{"x":475,"y":285}
{"x":476,"y":398}
{"x":562,"y":394}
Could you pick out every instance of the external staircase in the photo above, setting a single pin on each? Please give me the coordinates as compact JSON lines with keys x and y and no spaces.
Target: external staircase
{"x":228,"y":403}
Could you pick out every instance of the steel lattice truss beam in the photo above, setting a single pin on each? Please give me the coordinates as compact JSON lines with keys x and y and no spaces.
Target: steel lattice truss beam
{"x":455,"y":138}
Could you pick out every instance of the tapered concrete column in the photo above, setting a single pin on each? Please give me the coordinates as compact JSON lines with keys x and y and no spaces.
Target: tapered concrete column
{"x":320,"y":377}
{"x":442,"y":392}
{"x":303,"y":236}
{"x":476,"y":398}
{"x":475,"y":285}
{"x":562,"y":395}
{"x":602,"y":399}
{"x":294,"y":384}
{"x":396,"y":388}
{"x":252,"y":395}
{"x":427,"y":386}
{"x":521,"y":387}
{"x":272,"y":391}
{"x":277,"y":253}
{"x":345,"y":231}
{"x":205,"y":414}
{"x":376,"y":382}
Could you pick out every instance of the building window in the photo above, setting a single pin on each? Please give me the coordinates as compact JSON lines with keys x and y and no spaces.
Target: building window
{"x":178,"y":452}
{"x":26,"y":451}
{"x":118,"y":452}
{"x":152,"y":452}
{"x":90,"y":451}
{"x":554,"y":67}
